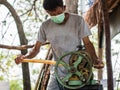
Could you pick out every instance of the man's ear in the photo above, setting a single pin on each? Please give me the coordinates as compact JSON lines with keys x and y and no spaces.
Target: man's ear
{"x":64,"y":7}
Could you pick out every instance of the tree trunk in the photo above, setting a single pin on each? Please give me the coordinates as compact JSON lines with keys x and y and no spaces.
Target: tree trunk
{"x":108,"y":44}
{"x":23,"y":41}
{"x":71,"y":6}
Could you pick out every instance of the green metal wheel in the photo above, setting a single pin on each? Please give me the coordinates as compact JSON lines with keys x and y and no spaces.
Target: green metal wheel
{"x":79,"y":70}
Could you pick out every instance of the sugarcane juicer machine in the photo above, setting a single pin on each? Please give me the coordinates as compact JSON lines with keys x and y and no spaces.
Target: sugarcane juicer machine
{"x":79,"y":70}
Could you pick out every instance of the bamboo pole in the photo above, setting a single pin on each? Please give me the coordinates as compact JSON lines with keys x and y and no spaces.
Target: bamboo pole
{"x":100,"y":49}
{"x":108,"y":44}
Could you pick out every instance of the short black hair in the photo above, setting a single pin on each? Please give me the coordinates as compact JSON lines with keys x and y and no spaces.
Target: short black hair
{"x":52,"y":4}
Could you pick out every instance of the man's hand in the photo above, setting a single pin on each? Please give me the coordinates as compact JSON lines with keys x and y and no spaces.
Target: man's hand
{"x":30,"y":55}
{"x":19,"y":59}
{"x":98,"y":64}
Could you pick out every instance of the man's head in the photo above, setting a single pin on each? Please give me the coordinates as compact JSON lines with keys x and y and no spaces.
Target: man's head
{"x":55,"y":9}
{"x":51,"y":5}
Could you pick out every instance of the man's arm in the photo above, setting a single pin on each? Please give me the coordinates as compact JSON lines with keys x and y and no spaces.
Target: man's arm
{"x":30,"y":55}
{"x":34,"y":51}
{"x":91,"y":50}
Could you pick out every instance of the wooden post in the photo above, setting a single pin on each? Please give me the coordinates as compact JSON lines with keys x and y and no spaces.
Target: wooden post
{"x":108,"y":43}
{"x":100,"y":49}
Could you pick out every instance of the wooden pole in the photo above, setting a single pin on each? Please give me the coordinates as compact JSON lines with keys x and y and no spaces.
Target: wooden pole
{"x":108,"y":44}
{"x":100,"y":49}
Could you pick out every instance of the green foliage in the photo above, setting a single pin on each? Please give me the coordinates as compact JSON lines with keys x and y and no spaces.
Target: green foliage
{"x":1,"y":78}
{"x":6,"y":64}
{"x":35,"y":72}
{"x":15,"y":85}
{"x":4,"y":22}
{"x":117,"y":89}
{"x":117,"y":41}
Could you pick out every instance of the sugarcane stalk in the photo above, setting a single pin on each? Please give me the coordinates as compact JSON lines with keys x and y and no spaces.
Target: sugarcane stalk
{"x":39,"y":61}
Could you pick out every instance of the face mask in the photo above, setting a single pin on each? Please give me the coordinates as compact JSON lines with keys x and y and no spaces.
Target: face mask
{"x":59,"y":18}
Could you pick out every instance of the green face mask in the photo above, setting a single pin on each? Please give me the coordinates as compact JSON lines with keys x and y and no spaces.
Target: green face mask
{"x":59,"y":18}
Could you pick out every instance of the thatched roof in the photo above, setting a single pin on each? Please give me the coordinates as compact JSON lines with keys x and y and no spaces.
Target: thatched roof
{"x":93,"y":15}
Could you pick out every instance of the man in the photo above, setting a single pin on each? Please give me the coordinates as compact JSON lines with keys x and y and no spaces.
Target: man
{"x":64,"y":31}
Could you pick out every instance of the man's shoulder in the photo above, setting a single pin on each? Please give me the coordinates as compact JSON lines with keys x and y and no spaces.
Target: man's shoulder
{"x":77,"y":16}
{"x":46,"y":22}
{"x":74,"y":15}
